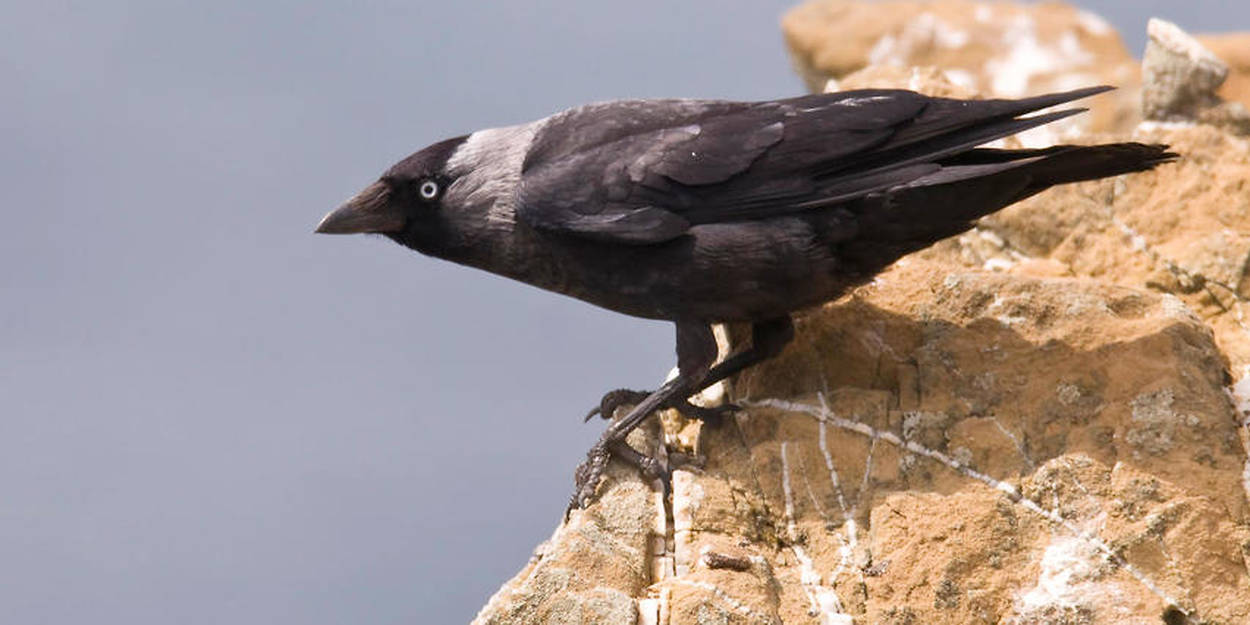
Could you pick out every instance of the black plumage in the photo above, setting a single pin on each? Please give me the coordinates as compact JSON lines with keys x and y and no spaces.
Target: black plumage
{"x":700,"y":211}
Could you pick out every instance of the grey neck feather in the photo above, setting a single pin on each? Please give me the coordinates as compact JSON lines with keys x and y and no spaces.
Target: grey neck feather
{"x":480,"y":205}
{"x":487,"y":171}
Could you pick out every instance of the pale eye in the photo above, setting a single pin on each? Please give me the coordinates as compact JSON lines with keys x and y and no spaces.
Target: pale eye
{"x":429,"y":189}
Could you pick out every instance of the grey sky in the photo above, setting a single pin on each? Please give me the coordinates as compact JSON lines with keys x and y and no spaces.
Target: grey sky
{"x":210,"y":415}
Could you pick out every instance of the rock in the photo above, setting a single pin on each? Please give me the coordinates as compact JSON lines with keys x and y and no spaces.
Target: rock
{"x":961,"y":447}
{"x":977,"y":387}
{"x":1233,"y":49}
{"x":1183,"y":230}
{"x":1181,"y":78}
{"x":993,"y":48}
{"x":929,"y":80}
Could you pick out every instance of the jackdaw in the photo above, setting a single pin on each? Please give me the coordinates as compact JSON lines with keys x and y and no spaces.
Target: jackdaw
{"x":710,"y":211}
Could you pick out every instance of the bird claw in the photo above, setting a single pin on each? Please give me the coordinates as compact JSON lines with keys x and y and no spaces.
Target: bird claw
{"x":612,"y":400}
{"x":588,"y":474}
{"x":586,"y":477}
{"x":615,"y":399}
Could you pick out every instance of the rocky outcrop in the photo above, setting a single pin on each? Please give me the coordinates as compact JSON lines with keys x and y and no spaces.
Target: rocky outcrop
{"x":945,"y":447}
{"x":992,"y":48}
{"x":1183,"y":231}
{"x":1182,"y":79}
{"x":991,"y":448}
{"x":1042,"y":421}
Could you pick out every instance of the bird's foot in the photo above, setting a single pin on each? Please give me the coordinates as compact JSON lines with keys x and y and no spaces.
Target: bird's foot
{"x":586,"y":477}
{"x":612,"y":400}
{"x":615,"y":399}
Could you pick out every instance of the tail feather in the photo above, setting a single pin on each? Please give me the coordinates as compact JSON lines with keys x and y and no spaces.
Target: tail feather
{"x":976,"y":183}
{"x":1077,"y":163}
{"x":946,"y":128}
{"x":944,"y":116}
{"x":1047,"y":167}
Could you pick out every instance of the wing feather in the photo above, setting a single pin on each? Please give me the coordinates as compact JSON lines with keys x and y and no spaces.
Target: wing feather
{"x":645,"y":171}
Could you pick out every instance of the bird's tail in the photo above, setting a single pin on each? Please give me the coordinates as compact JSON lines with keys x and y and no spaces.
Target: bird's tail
{"x":1063,"y":164}
{"x":976,"y":183}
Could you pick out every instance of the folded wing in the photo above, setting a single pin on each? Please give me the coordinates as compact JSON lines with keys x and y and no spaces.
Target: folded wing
{"x":643,"y":172}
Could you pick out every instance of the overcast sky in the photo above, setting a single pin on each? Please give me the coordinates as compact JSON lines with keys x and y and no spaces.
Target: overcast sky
{"x":210,"y":415}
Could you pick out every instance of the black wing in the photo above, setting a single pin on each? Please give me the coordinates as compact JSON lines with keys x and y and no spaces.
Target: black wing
{"x":645,"y":171}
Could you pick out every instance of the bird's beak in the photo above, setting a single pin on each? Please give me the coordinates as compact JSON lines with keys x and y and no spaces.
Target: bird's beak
{"x":368,"y":211}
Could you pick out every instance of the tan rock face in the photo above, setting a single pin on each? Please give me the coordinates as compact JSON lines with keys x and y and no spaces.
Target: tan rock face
{"x":944,"y":447}
{"x":996,"y":49}
{"x":1023,"y":430}
{"x":1183,"y":230}
{"x":929,"y":80}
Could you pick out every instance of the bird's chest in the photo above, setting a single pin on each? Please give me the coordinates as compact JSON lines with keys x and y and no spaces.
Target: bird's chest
{"x":721,"y":272}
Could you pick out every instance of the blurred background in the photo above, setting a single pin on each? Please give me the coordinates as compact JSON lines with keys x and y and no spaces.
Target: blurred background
{"x":210,"y":415}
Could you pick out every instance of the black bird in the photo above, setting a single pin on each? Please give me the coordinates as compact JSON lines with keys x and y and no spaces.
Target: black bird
{"x":707,"y":211}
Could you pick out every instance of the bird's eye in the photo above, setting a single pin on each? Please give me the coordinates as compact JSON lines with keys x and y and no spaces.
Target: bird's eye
{"x":429,"y":189}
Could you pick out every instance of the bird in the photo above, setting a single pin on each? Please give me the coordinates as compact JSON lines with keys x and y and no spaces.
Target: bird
{"x":702,"y":212}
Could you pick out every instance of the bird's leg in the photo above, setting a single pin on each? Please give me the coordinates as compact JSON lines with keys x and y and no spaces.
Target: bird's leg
{"x":696,"y":350}
{"x":768,"y":338}
{"x":612,"y":442}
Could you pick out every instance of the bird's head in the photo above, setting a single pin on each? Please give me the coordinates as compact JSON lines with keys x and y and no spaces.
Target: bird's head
{"x":405,"y":202}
